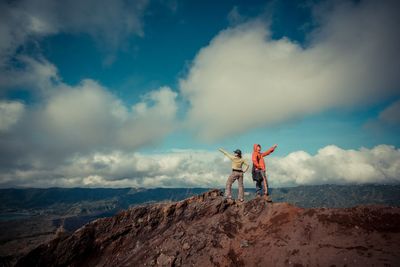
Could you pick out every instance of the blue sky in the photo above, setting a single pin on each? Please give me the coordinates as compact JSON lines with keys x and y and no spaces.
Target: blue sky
{"x":84,"y":84}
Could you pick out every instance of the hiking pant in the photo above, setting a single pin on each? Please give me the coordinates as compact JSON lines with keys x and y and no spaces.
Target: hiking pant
{"x":261,"y":182}
{"x":236,"y":175}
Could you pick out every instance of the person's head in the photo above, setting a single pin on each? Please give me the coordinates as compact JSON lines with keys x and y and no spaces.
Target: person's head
{"x":258,"y":148}
{"x":238,"y":153}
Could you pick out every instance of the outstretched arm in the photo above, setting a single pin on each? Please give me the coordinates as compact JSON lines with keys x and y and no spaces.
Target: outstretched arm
{"x":230,"y":156}
{"x":269,"y":151}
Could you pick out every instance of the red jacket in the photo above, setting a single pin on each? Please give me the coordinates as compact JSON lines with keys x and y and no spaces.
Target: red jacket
{"x":258,"y":158}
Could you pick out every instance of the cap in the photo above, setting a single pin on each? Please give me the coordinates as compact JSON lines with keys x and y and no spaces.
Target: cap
{"x":238,"y":151}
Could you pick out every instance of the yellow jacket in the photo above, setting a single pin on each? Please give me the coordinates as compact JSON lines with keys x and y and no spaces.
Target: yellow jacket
{"x":237,"y":162}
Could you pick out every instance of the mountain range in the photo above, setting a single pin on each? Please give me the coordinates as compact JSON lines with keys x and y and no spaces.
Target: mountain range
{"x":30,"y":217}
{"x":209,"y":230}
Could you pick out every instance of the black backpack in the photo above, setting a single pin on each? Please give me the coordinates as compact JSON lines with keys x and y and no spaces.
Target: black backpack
{"x":254,"y":174}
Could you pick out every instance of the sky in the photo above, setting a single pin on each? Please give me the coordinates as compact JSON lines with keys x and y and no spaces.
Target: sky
{"x":142,"y":93}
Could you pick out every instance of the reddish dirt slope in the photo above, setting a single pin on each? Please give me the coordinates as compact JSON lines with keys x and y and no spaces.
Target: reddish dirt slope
{"x":208,"y":230}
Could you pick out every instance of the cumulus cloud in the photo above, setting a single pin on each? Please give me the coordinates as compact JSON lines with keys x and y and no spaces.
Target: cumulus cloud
{"x":180,"y":168}
{"x":81,"y":120}
{"x":154,"y":118}
{"x":244,"y":77}
{"x":110,"y":22}
{"x":62,"y":121}
{"x":10,"y":113}
{"x":66,"y":120}
{"x":334,"y":165}
{"x":24,"y":23}
{"x":195,"y":168}
{"x":36,"y":75}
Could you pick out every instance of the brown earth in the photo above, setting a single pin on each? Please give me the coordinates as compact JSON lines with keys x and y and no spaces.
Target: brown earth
{"x":17,"y":238}
{"x":208,"y":230}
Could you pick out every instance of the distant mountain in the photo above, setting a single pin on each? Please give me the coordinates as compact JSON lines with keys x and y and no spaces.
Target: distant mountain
{"x":64,"y":200}
{"x":338,"y":196}
{"x":208,"y":230}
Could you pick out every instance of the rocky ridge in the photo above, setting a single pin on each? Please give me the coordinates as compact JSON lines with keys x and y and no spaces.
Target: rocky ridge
{"x":208,"y":230}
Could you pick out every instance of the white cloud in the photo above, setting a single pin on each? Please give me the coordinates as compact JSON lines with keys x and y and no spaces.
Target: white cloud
{"x":81,"y":120}
{"x":244,"y":79}
{"x":64,"y":121}
{"x":109,"y":22}
{"x":36,"y":75}
{"x":183,"y":168}
{"x":10,"y":113}
{"x":334,"y":165}
{"x":190,"y":168}
{"x":85,"y":115}
{"x":152,"y":118}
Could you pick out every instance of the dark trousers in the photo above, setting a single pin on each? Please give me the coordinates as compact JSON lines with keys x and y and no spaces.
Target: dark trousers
{"x":261,"y":182}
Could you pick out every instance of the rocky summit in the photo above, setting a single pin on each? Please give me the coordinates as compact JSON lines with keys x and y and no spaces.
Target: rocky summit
{"x":208,"y":230}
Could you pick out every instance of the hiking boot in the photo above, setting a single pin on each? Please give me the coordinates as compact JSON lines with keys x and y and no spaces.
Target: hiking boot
{"x":268,"y":198}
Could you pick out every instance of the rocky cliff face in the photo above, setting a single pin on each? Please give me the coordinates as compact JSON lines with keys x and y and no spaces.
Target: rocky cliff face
{"x":207,"y":230}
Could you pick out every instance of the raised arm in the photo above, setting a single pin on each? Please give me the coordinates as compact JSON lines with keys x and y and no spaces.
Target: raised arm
{"x":230,"y":156}
{"x":269,"y":151}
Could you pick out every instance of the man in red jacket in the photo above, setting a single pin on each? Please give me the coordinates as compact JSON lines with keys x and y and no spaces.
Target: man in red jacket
{"x":259,"y":174}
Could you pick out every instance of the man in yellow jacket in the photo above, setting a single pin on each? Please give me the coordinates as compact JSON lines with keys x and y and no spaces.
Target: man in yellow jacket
{"x":237,"y":173}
